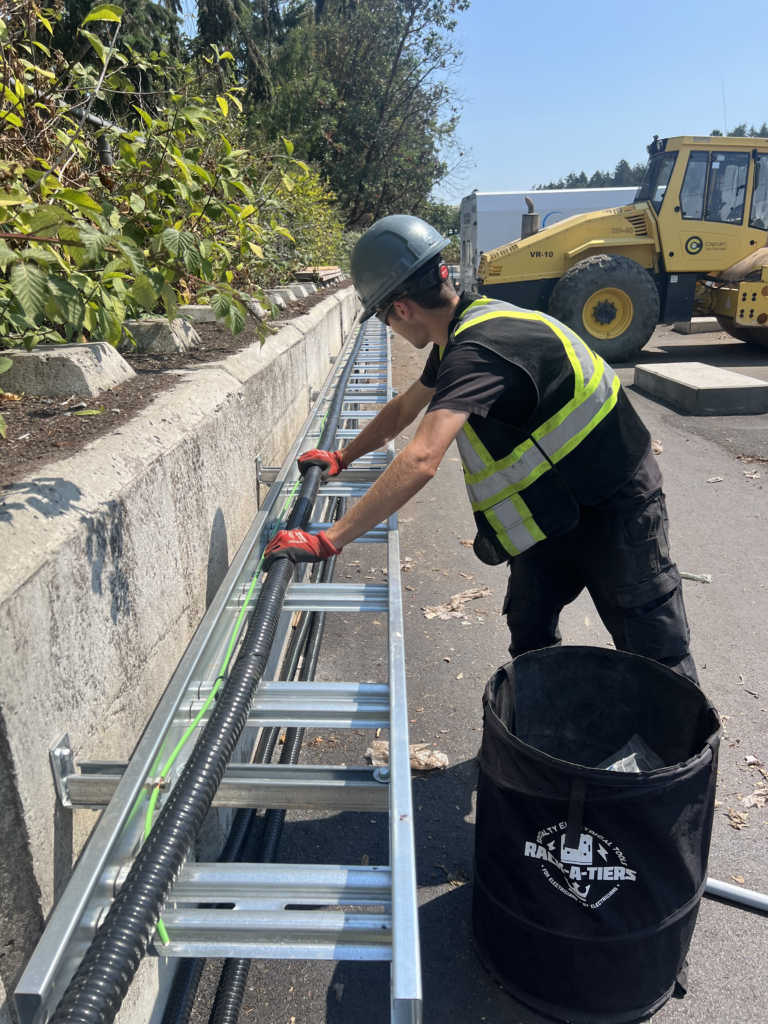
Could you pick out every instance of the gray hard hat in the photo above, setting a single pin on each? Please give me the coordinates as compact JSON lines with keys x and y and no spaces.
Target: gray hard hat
{"x":388,"y":253}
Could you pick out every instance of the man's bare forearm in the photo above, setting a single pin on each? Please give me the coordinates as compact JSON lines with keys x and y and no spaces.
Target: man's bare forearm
{"x":409,"y":472}
{"x":394,"y":417}
{"x":398,"y":483}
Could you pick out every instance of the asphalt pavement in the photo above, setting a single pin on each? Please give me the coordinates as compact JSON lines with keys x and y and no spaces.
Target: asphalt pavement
{"x":717,"y":528}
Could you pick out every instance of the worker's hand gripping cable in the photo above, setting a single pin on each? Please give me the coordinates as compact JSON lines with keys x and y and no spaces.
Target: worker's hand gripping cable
{"x":299,"y":546}
{"x":331,"y":463}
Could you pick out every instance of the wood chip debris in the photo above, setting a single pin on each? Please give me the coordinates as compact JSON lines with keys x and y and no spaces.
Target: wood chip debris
{"x":657,"y":447}
{"x":715,"y":480}
{"x":454,"y":609}
{"x":423,"y":756}
{"x":752,"y":474}
{"x":703,"y":577}
{"x":757,"y":798}
{"x":466,"y":543}
{"x":737,"y":819}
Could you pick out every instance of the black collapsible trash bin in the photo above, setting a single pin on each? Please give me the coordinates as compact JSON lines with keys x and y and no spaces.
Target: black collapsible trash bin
{"x":587,"y":882}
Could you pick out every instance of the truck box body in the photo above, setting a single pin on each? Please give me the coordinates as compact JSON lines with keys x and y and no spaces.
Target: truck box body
{"x":491,"y":219}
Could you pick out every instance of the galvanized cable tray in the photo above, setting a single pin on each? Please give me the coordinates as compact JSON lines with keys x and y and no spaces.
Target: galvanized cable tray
{"x":259,"y":925}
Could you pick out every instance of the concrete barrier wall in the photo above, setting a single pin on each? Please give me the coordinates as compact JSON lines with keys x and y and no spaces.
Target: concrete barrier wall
{"x":108,"y":560}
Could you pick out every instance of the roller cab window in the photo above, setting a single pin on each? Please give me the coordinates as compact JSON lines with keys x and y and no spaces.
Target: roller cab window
{"x":653,"y":187}
{"x":758,"y":214}
{"x":727,"y":187}
{"x":694,"y":187}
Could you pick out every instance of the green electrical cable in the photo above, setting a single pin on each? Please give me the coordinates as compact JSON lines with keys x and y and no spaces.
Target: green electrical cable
{"x":216,"y":687}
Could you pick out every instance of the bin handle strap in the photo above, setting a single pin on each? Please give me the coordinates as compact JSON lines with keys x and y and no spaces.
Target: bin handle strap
{"x":575,"y":813}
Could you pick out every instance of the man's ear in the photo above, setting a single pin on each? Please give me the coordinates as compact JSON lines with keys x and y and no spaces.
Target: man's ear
{"x":403,"y":310}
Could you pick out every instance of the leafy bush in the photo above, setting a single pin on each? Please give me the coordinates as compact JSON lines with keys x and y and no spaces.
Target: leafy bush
{"x":98,"y":224}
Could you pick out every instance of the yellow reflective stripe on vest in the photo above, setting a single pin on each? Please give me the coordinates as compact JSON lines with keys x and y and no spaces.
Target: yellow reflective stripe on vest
{"x":500,"y":479}
{"x":492,"y":315}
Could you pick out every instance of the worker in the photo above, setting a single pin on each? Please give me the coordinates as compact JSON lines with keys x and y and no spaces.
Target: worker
{"x":558,"y":466}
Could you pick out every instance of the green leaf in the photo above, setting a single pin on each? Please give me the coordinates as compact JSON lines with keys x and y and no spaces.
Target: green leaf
{"x":284,"y":231}
{"x":88,"y":412}
{"x":11,"y":118}
{"x":96,"y":43}
{"x":46,"y":217}
{"x":169,"y":301}
{"x":69,"y":233}
{"x":110,"y":327}
{"x":235,"y":320}
{"x":68,"y":301}
{"x":3,"y":428}
{"x":7,"y":255}
{"x":136,"y":203}
{"x":144,"y":116}
{"x":256,"y":250}
{"x":44,"y":21}
{"x":288,"y":146}
{"x":182,"y":244}
{"x":30,"y":288}
{"x":223,"y":105}
{"x":220,"y":305}
{"x":5,"y":364}
{"x":104,"y":12}
{"x":79,"y":199}
{"x":132,"y":253}
{"x":143,"y":292}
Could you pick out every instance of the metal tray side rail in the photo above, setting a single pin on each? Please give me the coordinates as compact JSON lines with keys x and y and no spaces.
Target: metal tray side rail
{"x":115,"y":838}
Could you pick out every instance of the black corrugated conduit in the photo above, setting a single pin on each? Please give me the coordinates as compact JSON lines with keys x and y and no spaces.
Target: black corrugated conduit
{"x":234,"y":974}
{"x":105,"y":973}
{"x":186,"y":981}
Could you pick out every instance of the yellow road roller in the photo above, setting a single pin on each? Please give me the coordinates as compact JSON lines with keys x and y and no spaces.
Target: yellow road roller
{"x":693,"y":243}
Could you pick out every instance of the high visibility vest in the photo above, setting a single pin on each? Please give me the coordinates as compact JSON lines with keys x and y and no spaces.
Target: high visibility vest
{"x":504,"y":490}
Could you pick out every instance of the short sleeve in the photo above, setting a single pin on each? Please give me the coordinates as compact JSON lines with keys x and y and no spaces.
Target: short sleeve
{"x":475,"y":380}
{"x":431,"y":367}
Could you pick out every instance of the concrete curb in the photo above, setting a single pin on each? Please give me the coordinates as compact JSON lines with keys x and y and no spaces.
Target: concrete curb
{"x":108,"y":560}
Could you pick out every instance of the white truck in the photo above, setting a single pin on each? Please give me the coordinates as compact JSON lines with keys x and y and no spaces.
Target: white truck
{"x":491,"y":219}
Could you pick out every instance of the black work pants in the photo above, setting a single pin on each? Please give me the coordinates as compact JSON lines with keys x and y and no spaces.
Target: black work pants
{"x":621,"y":555}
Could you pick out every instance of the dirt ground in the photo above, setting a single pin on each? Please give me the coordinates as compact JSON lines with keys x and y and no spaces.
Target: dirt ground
{"x":49,"y":429}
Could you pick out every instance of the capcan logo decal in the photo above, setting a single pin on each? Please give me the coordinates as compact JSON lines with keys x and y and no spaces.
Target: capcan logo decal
{"x":590,"y":874}
{"x":694,"y":245}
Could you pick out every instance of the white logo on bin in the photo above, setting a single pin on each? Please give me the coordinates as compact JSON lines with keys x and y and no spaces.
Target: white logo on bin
{"x":591,"y":873}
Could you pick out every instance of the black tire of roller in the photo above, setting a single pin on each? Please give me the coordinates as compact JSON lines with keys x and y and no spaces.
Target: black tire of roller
{"x":602,"y":271}
{"x":751,"y":335}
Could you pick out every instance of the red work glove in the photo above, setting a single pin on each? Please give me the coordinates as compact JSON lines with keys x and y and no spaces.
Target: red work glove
{"x":299,"y":547}
{"x":331,"y":463}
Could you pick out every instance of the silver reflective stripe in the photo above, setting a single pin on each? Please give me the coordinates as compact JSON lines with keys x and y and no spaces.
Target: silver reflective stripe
{"x":581,"y":416}
{"x":469,"y":456}
{"x":502,"y":478}
{"x":514,"y":525}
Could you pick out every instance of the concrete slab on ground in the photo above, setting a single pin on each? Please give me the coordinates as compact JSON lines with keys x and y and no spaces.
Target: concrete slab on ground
{"x":160,"y":336}
{"x":64,"y":370}
{"x":704,"y":390}
{"x":698,"y":325}
{"x":715,"y":528}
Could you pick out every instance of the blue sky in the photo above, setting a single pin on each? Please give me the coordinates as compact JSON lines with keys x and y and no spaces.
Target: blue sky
{"x":554,"y":86}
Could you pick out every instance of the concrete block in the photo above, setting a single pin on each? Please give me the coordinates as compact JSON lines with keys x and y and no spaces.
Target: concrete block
{"x":276,"y":297}
{"x":159,"y":336}
{"x":704,"y":390}
{"x":63,"y":370}
{"x":198,"y":314}
{"x":698,"y":325}
{"x":257,"y":310}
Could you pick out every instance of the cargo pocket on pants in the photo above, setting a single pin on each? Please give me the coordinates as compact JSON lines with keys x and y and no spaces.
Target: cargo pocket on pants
{"x":655,"y":624}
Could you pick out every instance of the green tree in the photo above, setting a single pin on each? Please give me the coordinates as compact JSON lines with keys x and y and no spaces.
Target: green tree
{"x":625,"y":174}
{"x":363,"y":87}
{"x":742,"y":132}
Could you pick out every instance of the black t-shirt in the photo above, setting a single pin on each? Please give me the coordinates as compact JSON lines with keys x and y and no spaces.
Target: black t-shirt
{"x":471,"y":378}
